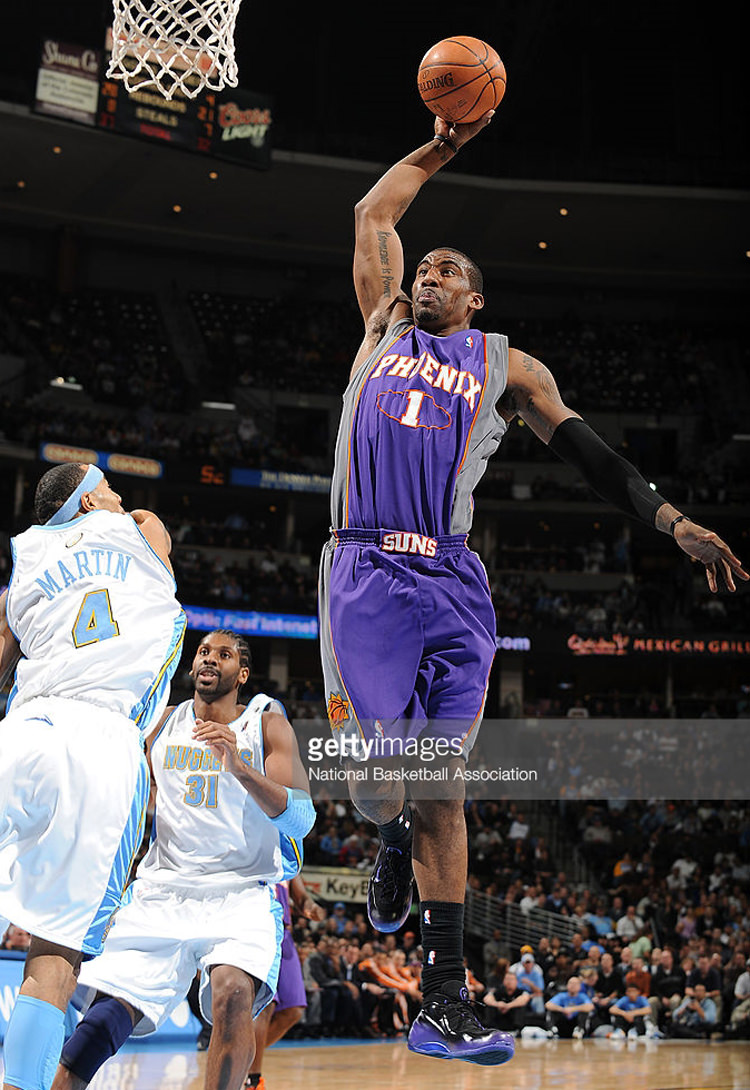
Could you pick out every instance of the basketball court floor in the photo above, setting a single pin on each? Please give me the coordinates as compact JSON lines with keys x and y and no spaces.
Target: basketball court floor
{"x":552,"y":1065}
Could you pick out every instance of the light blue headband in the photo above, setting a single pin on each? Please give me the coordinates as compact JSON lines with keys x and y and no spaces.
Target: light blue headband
{"x":91,"y":479}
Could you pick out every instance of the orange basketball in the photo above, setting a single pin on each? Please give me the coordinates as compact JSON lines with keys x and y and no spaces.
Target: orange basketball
{"x":460,"y":79}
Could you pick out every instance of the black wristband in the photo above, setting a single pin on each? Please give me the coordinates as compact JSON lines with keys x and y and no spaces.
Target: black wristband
{"x":448,"y":141}
{"x":673,"y":523}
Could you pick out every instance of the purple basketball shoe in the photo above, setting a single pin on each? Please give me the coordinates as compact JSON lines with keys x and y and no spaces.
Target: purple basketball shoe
{"x":449,"y":1028}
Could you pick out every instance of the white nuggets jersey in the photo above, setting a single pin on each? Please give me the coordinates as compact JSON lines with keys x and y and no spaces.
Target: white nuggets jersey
{"x":94,"y":611}
{"x":208,"y":832}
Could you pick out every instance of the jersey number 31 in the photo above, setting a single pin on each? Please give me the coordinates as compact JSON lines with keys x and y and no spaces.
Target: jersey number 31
{"x":95,"y":621}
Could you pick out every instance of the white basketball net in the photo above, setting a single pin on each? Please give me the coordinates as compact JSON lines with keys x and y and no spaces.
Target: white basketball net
{"x":184,"y":45}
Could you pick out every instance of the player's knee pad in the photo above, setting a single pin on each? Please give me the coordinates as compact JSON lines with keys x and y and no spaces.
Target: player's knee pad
{"x":32,"y":1044}
{"x":104,"y":1029}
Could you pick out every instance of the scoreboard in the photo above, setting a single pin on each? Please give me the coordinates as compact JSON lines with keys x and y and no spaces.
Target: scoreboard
{"x":144,"y":113}
{"x":234,"y":124}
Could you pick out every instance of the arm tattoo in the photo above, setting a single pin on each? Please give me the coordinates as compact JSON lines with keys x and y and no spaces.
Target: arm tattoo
{"x":542,"y":428}
{"x":385,"y":262}
{"x":544,"y":388}
{"x":547,"y":384}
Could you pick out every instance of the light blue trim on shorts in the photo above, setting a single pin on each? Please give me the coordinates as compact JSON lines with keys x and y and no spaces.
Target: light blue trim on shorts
{"x":268,"y":991}
{"x":130,"y":842}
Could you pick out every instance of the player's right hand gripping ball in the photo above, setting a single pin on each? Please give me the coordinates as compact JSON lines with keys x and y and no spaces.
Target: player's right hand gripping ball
{"x":460,"y":79}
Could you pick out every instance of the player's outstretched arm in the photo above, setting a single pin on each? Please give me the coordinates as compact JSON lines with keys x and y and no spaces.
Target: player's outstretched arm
{"x":378,"y":252}
{"x":532,"y":394}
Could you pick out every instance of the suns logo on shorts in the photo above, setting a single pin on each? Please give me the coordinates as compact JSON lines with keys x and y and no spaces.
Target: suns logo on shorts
{"x":338,"y":710}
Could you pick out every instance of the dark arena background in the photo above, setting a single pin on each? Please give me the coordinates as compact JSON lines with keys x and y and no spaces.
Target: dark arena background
{"x":176,"y":305}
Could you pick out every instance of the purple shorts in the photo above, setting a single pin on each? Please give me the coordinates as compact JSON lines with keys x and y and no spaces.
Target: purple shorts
{"x":407,"y":631}
{"x":290,"y":989}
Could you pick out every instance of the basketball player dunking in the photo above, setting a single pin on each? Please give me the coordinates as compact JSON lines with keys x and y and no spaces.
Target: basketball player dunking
{"x":407,"y":623}
{"x":231,"y":810}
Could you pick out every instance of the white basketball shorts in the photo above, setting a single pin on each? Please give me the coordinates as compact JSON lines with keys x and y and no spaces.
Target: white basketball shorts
{"x":73,"y":792}
{"x":163,"y":936}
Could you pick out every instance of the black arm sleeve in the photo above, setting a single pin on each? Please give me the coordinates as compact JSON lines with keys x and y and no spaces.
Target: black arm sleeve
{"x":611,"y":476}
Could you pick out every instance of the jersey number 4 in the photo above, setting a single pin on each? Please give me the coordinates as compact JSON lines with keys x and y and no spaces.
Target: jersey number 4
{"x":95,"y":621}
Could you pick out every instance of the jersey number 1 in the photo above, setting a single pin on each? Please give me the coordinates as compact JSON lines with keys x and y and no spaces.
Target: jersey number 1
{"x":95,"y":621}
{"x":411,"y":417}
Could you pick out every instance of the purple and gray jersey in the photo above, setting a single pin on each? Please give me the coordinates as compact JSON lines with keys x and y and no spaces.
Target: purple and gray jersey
{"x":407,"y":626}
{"x":418,"y":425}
